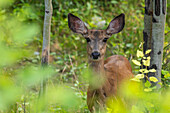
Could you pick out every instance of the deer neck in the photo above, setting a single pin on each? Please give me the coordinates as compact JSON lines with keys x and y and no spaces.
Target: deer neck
{"x":97,"y":66}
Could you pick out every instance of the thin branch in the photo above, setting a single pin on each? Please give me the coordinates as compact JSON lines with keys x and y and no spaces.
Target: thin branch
{"x":74,"y":74}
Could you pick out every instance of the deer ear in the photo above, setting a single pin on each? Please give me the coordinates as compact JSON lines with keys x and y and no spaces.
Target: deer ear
{"x":116,"y":25}
{"x":76,"y":24}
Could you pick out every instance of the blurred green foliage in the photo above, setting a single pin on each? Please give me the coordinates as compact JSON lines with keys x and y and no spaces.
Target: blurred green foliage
{"x":21,"y":23}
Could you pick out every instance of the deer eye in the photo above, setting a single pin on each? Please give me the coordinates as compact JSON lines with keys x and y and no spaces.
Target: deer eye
{"x":105,"y":39}
{"x":88,"y":40}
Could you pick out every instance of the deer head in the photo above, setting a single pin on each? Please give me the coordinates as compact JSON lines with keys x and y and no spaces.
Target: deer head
{"x":96,"y":39}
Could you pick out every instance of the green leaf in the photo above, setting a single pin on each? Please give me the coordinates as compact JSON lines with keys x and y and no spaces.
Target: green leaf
{"x":146,"y":62}
{"x":114,"y":2}
{"x":167,"y":75}
{"x":146,"y":71}
{"x":139,"y":53}
{"x":148,"y":57}
{"x":135,"y":79}
{"x":142,"y":70}
{"x":148,"y":51}
{"x":153,"y":79}
{"x":152,"y":70}
{"x":136,"y":62}
{"x":147,"y":84}
{"x":139,"y":76}
{"x":147,"y":90}
{"x":4,"y":3}
{"x":164,"y":72}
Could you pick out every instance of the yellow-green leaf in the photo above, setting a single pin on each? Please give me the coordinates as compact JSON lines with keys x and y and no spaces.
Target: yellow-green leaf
{"x":144,"y":58}
{"x":148,"y":51}
{"x":152,"y":70}
{"x":153,"y":79}
{"x":148,"y":57}
{"x":136,"y":62}
{"x":146,"y":71}
{"x":146,"y":62}
{"x":139,"y":76}
{"x":160,"y":83}
{"x":167,"y":75}
{"x":147,"y":90}
{"x":139,"y":53}
{"x":135,"y":79}
{"x":142,"y":70}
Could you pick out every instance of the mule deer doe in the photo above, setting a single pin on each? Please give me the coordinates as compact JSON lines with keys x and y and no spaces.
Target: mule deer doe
{"x":114,"y":69}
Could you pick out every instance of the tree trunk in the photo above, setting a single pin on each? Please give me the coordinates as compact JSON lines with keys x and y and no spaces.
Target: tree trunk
{"x":153,"y":34}
{"x":46,"y":40}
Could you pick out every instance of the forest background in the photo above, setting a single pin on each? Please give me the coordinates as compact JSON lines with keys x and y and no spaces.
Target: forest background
{"x":21,"y":37}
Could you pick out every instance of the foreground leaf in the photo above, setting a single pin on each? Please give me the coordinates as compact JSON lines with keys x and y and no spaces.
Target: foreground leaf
{"x":153,"y":79}
{"x":136,"y":62}
{"x":139,"y":53}
{"x":148,"y":51}
{"x":152,"y":70}
{"x":139,"y":76}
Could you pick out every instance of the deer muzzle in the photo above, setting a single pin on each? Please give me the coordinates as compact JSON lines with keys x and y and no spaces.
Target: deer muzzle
{"x":95,"y":55}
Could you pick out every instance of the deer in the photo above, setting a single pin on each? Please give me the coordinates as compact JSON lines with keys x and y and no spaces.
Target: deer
{"x":114,"y":70}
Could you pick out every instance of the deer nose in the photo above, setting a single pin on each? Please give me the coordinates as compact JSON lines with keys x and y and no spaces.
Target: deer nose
{"x":95,"y":55}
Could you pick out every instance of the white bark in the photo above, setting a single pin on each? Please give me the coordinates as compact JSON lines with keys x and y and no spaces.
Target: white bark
{"x":154,"y":24}
{"x":46,"y":40}
{"x":158,"y":26}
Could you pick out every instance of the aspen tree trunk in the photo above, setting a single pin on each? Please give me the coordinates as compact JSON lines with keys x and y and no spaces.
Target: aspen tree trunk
{"x":46,"y":40}
{"x":153,"y":34}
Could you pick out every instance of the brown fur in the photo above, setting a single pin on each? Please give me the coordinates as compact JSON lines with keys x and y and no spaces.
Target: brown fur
{"x":114,"y":70}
